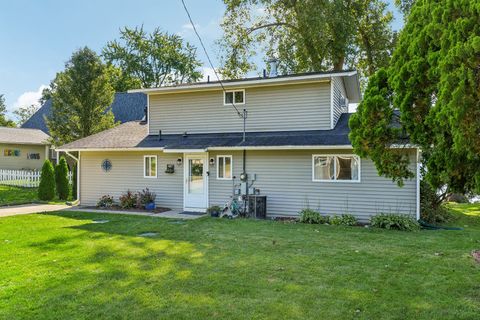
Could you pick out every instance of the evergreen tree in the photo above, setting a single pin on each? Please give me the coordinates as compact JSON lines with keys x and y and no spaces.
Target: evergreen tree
{"x":46,"y":190}
{"x":61,"y":177}
{"x":433,"y":80}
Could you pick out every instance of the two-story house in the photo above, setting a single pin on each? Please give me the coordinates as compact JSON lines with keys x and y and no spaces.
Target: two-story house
{"x":296,"y":149}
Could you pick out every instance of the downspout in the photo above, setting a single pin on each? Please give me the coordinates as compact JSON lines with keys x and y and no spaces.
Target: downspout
{"x":78,"y":172}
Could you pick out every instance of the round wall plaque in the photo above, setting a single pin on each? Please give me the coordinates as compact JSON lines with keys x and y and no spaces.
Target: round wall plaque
{"x":106,"y":165}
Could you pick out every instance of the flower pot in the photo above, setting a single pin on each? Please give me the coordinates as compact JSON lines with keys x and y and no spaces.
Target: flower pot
{"x":150,"y":206}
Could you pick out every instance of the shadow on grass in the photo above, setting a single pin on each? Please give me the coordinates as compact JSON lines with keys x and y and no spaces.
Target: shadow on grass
{"x":233,"y":269}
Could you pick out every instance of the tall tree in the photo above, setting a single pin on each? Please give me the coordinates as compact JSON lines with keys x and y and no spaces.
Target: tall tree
{"x":434,"y":82}
{"x":4,"y":122}
{"x":24,"y":113}
{"x":309,"y":35}
{"x":154,"y":59}
{"x":81,"y":99}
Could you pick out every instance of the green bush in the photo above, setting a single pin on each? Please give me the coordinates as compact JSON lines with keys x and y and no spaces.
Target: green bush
{"x":344,"y":220}
{"x":74,"y":182}
{"x":431,"y":208}
{"x":146,"y":196}
{"x":61,"y":179}
{"x":128,"y":200}
{"x":214,"y":211}
{"x":395,"y":222}
{"x":312,"y":217}
{"x":46,"y":189}
{"x":105,"y":201}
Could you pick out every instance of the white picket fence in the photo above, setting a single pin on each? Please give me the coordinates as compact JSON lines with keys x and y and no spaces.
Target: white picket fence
{"x":23,"y":178}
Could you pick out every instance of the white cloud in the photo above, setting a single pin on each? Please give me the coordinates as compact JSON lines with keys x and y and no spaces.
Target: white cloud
{"x":28,"y":98}
{"x":206,"y":71}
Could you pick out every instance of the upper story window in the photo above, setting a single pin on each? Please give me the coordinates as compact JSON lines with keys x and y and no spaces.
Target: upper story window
{"x":149,"y":166}
{"x":224,"y":167}
{"x":234,"y":96}
{"x":331,"y":168}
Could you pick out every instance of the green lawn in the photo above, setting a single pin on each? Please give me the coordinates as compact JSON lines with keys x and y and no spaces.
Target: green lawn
{"x":64,"y":266}
{"x":16,"y":195}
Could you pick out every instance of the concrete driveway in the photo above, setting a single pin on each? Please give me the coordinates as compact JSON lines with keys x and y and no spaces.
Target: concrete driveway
{"x":30,"y":208}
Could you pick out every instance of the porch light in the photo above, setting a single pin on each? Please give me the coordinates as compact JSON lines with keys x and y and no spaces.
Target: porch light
{"x":179,"y":161}
{"x":212,"y":161}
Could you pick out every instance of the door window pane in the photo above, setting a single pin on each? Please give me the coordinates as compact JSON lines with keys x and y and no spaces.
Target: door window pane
{"x":220,"y":167}
{"x":195,"y":181}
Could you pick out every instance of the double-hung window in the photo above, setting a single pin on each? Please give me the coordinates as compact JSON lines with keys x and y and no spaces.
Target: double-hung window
{"x":149,"y":166}
{"x":234,"y":97}
{"x":224,"y":167}
{"x":336,"y":168}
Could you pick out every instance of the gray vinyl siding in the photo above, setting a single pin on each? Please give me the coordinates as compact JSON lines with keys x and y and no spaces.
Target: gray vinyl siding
{"x":275,"y":108}
{"x":285,"y":177}
{"x":21,"y":162}
{"x":127,"y":174}
{"x":338,"y":94}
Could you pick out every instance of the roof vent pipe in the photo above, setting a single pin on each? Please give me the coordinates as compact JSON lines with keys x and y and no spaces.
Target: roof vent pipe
{"x":159,"y":135}
{"x":273,"y":68}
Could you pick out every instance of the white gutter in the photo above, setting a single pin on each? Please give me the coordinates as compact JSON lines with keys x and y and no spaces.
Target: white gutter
{"x":286,"y":147}
{"x":244,"y":83}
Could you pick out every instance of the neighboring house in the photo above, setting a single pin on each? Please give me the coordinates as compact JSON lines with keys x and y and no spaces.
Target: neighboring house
{"x":125,"y":107}
{"x":23,"y":148}
{"x":296,"y":149}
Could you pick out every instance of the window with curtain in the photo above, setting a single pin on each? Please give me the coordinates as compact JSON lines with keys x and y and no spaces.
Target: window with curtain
{"x":150,"y":167}
{"x":224,"y":167}
{"x":336,"y":168}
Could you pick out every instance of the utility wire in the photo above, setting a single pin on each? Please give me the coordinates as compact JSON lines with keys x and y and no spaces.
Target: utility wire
{"x":241,"y":115}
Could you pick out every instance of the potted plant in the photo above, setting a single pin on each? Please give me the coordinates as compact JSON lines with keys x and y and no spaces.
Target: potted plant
{"x":214,"y":211}
{"x":147,"y":198}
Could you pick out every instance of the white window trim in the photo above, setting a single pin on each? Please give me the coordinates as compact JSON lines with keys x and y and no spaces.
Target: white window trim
{"x":234,"y":102}
{"x":156,"y":167}
{"x":337,"y":181}
{"x":231,"y":167}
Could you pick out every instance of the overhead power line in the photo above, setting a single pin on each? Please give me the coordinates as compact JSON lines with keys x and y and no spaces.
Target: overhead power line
{"x":240,"y":114}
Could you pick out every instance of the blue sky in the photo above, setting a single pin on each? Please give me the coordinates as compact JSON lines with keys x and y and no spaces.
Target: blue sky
{"x":37,"y":37}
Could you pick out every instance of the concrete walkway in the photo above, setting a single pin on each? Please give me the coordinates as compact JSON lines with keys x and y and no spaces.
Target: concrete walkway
{"x":31,"y":208}
{"x":172,"y":214}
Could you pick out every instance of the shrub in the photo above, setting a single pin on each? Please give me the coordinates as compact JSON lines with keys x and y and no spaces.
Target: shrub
{"x":344,"y":220}
{"x":214,"y":211}
{"x":312,"y":217}
{"x":105,"y":201}
{"x":61,"y":179}
{"x":395,"y":222}
{"x":146,"y":196}
{"x":431,"y":209}
{"x":128,"y":200}
{"x":46,"y":189}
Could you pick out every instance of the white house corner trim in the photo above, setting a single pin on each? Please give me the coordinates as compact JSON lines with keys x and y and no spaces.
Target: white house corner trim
{"x":331,"y":102}
{"x":78,"y":177}
{"x":418,"y":184}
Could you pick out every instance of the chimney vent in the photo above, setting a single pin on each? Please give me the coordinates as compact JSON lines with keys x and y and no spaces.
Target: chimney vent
{"x":273,"y":68}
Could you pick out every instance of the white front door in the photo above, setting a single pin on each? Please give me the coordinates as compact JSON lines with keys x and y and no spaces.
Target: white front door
{"x":195,"y":190}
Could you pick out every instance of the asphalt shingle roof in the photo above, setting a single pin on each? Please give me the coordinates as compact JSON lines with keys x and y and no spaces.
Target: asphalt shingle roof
{"x":23,"y":136}
{"x":135,"y":135}
{"x":125,"y":107}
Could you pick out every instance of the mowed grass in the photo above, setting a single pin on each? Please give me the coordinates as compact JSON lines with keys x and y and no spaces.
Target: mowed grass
{"x":64,"y":266}
{"x":10,"y":195}
{"x":15,"y":195}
